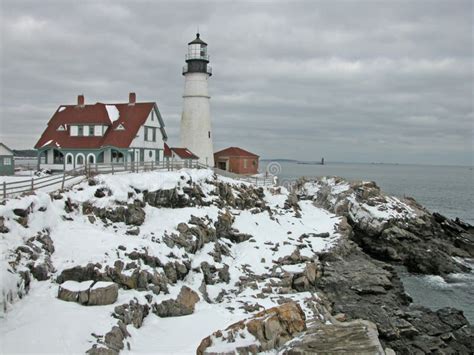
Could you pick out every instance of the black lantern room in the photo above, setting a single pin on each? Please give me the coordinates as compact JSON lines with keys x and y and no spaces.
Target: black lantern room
{"x":197,"y":59}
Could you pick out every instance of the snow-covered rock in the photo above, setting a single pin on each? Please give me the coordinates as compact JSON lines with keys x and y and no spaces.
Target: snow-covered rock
{"x":221,"y":240}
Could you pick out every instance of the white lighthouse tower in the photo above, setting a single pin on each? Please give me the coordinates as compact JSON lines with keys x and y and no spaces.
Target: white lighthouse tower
{"x":196,"y":132}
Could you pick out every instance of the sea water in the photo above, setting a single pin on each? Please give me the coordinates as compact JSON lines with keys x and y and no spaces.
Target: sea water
{"x":448,"y":190}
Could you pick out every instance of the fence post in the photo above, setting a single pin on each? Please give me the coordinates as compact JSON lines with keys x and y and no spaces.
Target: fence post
{"x":4,"y":190}
{"x":32,"y":184}
{"x":62,"y":183}
{"x":112,"y":168}
{"x":152,"y":165}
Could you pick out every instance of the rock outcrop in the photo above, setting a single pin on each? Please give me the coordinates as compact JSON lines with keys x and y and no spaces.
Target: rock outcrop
{"x":266,"y":330}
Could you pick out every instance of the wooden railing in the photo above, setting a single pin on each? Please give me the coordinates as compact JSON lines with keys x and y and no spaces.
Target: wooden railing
{"x":77,"y":175}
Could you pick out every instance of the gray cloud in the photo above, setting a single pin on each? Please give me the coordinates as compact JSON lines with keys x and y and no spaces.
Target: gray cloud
{"x":350,"y":81}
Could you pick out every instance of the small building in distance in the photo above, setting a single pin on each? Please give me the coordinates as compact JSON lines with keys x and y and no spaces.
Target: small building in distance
{"x":82,"y":134}
{"x":7,"y":162}
{"x":180,"y":157}
{"x":236,"y":160}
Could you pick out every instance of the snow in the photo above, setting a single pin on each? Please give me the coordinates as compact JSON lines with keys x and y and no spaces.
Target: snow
{"x":48,"y":142}
{"x":46,"y":324}
{"x":62,"y":108}
{"x":113,"y":113}
{"x":75,"y":286}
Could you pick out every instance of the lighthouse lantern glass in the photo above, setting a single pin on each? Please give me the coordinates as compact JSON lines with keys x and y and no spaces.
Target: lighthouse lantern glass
{"x":197,"y":51}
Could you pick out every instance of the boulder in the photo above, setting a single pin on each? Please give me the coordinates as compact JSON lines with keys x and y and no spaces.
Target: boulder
{"x":88,"y":293}
{"x":265,"y":331}
{"x":102,"y":293}
{"x":183,"y":305}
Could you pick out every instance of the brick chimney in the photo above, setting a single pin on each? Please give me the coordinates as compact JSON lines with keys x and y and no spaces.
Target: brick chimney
{"x":132,"y":98}
{"x":80,"y":100}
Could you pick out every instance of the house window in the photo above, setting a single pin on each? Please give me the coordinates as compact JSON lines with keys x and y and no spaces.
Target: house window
{"x":91,"y":130}
{"x":69,"y":159}
{"x":80,"y":160}
{"x":150,"y":154}
{"x":245,"y":163}
{"x":7,"y":161}
{"x":80,"y":131}
{"x":152,"y":115}
{"x":150,"y":134}
{"x":74,"y":131}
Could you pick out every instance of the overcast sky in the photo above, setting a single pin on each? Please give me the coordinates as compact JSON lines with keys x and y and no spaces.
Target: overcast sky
{"x":354,"y":81}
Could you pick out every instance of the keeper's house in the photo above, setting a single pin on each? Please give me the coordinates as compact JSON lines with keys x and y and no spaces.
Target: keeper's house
{"x":7,"y":162}
{"x":236,"y":160}
{"x":102,"y":133}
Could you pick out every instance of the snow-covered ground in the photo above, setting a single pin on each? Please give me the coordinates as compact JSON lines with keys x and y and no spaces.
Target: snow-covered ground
{"x":41,"y":323}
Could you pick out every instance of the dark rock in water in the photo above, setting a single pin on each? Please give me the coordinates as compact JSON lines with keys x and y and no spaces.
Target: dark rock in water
{"x":363,"y":288}
{"x":425,"y":243}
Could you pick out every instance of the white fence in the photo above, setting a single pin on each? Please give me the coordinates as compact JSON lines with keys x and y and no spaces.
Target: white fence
{"x":68,"y":178}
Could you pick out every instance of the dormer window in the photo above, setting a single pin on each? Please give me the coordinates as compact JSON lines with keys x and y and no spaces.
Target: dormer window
{"x":120,"y":127}
{"x":61,"y":128}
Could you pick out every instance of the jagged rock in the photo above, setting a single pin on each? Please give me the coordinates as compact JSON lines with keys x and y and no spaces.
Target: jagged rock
{"x":182,"y":306}
{"x":3,"y":228}
{"x":132,"y":214}
{"x":40,"y":271}
{"x":132,"y":313}
{"x":268,"y":330}
{"x":114,"y":339}
{"x":79,"y":274}
{"x":396,"y":230}
{"x":224,"y":229}
{"x":99,"y":350}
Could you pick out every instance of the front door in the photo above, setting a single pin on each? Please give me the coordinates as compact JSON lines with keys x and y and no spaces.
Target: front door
{"x":222,"y":165}
{"x":69,"y":162}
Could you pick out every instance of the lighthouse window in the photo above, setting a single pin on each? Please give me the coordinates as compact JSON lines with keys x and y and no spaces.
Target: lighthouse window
{"x":209,"y":134}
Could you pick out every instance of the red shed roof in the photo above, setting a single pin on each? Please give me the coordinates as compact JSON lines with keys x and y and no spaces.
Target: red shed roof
{"x":183,"y":153}
{"x":235,"y":152}
{"x":130,"y":117}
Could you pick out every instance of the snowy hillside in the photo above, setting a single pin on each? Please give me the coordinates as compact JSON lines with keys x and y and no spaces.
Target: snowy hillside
{"x":238,"y":248}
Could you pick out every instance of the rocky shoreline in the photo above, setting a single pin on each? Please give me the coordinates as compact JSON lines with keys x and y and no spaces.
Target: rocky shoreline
{"x":309,"y":270}
{"x":358,"y":278}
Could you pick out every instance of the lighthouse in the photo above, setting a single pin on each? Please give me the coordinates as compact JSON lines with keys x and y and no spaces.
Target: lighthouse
{"x":196,"y":132}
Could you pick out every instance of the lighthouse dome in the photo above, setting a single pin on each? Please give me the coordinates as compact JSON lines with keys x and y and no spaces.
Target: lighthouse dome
{"x":197,"y":49}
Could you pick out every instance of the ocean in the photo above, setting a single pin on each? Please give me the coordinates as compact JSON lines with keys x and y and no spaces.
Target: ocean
{"x":448,"y":190}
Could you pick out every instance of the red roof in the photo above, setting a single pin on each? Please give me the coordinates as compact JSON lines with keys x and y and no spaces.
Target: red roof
{"x":131,"y":117}
{"x":235,"y":152}
{"x":183,"y":153}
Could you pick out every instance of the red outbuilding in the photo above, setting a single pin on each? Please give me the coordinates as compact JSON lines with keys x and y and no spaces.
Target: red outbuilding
{"x":236,"y":160}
